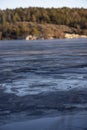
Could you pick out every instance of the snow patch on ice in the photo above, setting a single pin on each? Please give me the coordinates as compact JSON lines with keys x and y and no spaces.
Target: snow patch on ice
{"x":36,"y":85}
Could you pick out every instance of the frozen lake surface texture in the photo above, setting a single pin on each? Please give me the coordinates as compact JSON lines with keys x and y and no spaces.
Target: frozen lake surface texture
{"x":38,"y":78}
{"x":28,"y":68}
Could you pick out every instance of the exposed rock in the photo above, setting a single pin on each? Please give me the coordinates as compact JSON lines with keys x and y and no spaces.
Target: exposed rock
{"x":67,"y":35}
{"x":30,"y":37}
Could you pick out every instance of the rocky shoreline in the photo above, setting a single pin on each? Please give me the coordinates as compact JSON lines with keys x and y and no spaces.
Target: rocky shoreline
{"x":67,"y":35}
{"x":46,"y":31}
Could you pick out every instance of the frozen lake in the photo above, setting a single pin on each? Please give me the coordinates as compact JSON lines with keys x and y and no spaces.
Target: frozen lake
{"x":42,"y":78}
{"x":34,"y":67}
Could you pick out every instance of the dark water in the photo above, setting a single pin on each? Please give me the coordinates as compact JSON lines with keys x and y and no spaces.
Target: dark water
{"x":42,"y":77}
{"x":32,"y":67}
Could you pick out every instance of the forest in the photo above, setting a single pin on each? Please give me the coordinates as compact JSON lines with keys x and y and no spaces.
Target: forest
{"x":20,"y":22}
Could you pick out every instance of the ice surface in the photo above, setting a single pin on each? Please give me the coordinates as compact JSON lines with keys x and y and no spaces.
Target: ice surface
{"x":64,"y":122}
{"x":38,"y":84}
{"x":34,"y":67}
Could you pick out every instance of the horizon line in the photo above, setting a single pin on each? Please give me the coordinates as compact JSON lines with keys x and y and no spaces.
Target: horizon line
{"x":43,"y":7}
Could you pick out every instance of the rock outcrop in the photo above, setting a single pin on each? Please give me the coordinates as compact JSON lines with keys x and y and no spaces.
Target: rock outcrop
{"x":67,"y":35}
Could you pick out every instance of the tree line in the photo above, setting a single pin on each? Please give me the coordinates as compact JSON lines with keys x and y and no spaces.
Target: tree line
{"x":75,"y":17}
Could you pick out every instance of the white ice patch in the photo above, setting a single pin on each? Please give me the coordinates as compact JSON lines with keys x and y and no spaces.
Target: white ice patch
{"x":36,"y":85}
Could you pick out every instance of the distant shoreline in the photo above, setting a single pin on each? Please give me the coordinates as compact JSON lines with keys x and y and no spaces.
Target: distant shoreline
{"x":67,"y":36}
{"x":43,"y":23}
